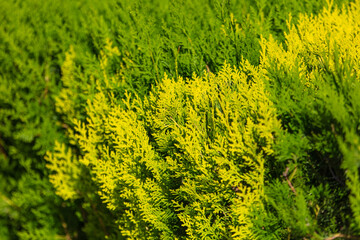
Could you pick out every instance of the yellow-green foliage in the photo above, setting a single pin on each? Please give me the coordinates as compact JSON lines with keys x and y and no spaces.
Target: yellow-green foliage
{"x":65,"y":171}
{"x":55,"y":74}
{"x":315,"y":82}
{"x":65,"y":102}
{"x":78,"y":87}
{"x":312,"y":43}
{"x":186,"y":161}
{"x":215,"y":131}
{"x":70,"y":100}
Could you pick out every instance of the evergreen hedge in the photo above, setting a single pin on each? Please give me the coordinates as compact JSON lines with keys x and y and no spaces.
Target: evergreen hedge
{"x":179,"y":119}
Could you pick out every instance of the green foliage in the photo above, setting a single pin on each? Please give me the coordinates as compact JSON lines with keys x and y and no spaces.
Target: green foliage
{"x":67,"y":60}
{"x":201,"y":176}
{"x":314,"y":81}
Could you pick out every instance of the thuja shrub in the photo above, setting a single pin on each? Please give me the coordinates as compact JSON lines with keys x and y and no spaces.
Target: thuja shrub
{"x":185,"y":162}
{"x":129,"y":147}
{"x":314,"y":83}
{"x":51,"y":53}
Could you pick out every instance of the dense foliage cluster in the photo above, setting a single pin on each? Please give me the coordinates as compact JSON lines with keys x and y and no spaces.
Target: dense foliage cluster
{"x":217,"y":119}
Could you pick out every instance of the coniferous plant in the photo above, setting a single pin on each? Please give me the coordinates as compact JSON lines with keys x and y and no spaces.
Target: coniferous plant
{"x":56,"y":57}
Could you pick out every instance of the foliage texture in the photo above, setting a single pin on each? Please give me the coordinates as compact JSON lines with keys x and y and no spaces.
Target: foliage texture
{"x":162,"y":119}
